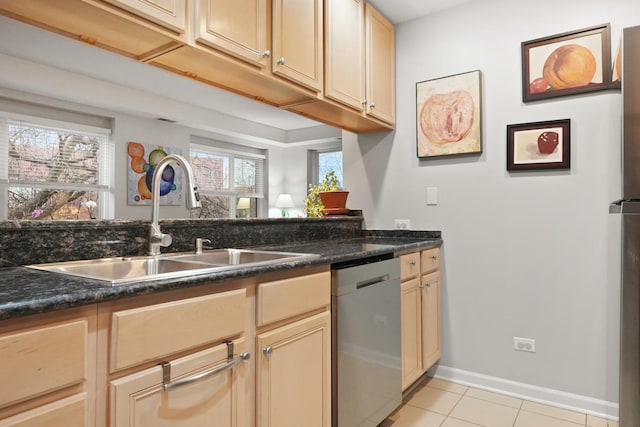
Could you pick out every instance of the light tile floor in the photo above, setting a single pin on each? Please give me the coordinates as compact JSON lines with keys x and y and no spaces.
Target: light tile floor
{"x":438,"y":403}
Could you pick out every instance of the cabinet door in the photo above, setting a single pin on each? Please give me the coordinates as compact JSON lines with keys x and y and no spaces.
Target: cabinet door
{"x":344,"y":52}
{"x":139,"y":400}
{"x":381,"y":74}
{"x":411,"y":308}
{"x":237,"y":27}
{"x":293,"y":366}
{"x":297,"y":41}
{"x":168,"y":13}
{"x":430,"y":319}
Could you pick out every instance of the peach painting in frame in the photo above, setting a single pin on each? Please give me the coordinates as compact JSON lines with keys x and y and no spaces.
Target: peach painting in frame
{"x":567,"y":64}
{"x":448,"y":115}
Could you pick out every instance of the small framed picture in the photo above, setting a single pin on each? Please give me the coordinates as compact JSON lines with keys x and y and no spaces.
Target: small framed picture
{"x":540,"y":145}
{"x":566,"y":64}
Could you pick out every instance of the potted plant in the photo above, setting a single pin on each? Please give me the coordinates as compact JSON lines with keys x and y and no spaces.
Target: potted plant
{"x":326,"y":198}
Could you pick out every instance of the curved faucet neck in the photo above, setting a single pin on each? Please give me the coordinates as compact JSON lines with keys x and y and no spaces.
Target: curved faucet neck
{"x":156,"y":237}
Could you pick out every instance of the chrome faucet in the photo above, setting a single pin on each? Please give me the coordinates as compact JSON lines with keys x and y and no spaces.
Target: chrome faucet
{"x":157,"y":238}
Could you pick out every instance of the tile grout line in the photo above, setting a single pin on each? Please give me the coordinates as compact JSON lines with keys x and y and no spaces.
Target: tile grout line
{"x":556,"y":418}
{"x":515,"y":420}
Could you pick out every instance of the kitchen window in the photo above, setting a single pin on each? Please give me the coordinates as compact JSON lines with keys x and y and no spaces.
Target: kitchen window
{"x":54,"y":170}
{"x":231,"y":180}
{"x":322,"y":161}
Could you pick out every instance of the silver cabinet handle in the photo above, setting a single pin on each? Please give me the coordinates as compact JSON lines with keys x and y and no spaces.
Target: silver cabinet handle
{"x":266,"y":54}
{"x":364,"y":102}
{"x":413,"y":263}
{"x":428,"y":284}
{"x":267,"y":350}
{"x":166,"y":372}
{"x":372,"y":105}
{"x":421,"y":286}
{"x":280,"y":61}
{"x":434,"y":257}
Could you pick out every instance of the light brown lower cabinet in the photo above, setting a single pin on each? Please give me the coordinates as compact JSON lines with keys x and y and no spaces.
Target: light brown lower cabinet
{"x":430,"y":319}
{"x":163,"y":360}
{"x":294,"y":374}
{"x":411,"y":331}
{"x":68,"y":412}
{"x":420,"y":307}
{"x":205,"y":389}
{"x":48,"y":369}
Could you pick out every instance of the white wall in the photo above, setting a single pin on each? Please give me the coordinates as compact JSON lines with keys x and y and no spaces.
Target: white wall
{"x":525,"y":254}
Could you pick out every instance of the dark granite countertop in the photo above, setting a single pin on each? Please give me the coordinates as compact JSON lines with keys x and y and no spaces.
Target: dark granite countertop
{"x":24,"y":291}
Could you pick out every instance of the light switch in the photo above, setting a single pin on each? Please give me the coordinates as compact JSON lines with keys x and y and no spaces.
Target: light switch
{"x":432,"y":196}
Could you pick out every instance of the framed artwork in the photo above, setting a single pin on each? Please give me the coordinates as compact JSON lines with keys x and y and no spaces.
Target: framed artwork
{"x":616,"y":69}
{"x":566,"y":64}
{"x":449,"y":118}
{"x":540,"y":145}
{"x":142,"y":160}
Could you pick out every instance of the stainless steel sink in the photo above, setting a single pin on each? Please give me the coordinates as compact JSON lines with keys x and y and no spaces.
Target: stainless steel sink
{"x":144,"y":268}
{"x":124,"y":270}
{"x":226,"y":257}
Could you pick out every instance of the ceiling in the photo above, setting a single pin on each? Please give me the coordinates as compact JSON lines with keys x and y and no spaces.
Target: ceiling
{"x":398,"y":11}
{"x":36,"y":45}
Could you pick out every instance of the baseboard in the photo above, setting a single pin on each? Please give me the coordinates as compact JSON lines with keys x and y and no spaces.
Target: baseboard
{"x":560,"y":399}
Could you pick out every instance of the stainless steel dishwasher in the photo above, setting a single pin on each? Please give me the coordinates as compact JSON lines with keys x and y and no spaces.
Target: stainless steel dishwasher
{"x":366,"y":365}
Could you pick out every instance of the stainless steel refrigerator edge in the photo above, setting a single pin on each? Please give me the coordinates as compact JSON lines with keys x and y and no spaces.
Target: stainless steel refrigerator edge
{"x":629,"y":208}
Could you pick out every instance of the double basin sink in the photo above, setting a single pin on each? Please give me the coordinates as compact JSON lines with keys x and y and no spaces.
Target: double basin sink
{"x":172,"y":265}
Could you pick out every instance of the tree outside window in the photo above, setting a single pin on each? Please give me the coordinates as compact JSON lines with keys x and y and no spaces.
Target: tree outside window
{"x":323,"y":161}
{"x":231,"y":184}
{"x":51,"y":173}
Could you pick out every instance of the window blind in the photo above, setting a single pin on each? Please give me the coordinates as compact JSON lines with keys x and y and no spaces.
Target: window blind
{"x":225,"y":172}
{"x":51,"y":154}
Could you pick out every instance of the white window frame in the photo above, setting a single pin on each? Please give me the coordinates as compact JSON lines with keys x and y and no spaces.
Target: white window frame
{"x":106,"y":181}
{"x":313,"y":163}
{"x":232,"y":152}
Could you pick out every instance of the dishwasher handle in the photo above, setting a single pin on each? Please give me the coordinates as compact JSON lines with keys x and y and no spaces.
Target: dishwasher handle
{"x":371,"y":282}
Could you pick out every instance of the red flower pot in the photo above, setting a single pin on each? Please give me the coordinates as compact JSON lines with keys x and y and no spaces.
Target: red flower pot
{"x":334,"y":202}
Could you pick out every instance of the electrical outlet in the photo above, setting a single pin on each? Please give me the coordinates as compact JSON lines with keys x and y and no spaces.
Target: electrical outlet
{"x":524,"y":344}
{"x":402,"y":224}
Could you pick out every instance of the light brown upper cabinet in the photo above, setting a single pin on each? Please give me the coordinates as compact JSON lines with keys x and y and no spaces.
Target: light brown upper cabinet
{"x":237,"y":27}
{"x":100,"y":24}
{"x":168,"y":13}
{"x":344,"y":52}
{"x":359,"y":60}
{"x":271,"y":51}
{"x":297,"y":37}
{"x":381,"y":66}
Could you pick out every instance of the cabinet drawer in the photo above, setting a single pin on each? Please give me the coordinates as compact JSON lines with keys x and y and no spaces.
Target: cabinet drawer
{"x":409,"y":266}
{"x":143,"y":334}
{"x":430,"y":260}
{"x":69,"y":412}
{"x":42,"y":360}
{"x":286,"y":298}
